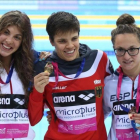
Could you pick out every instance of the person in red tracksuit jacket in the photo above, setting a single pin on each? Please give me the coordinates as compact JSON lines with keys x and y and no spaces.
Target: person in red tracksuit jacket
{"x":73,"y":91}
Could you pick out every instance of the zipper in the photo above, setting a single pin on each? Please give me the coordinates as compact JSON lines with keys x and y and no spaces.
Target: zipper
{"x":11,"y":93}
{"x":132,"y":90}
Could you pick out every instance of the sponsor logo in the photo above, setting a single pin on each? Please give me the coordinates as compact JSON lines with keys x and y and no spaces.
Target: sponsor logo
{"x":19,"y":101}
{"x":121,"y":97}
{"x":98,"y":91}
{"x":60,"y":87}
{"x":86,"y":98}
{"x":2,"y":131}
{"x":118,"y":107}
{"x":97,"y":82}
{"x":64,"y":99}
{"x":79,"y":111}
{"x":14,"y":115}
{"x":4,"y":101}
{"x":119,"y":136}
{"x":123,"y":120}
{"x":129,"y":135}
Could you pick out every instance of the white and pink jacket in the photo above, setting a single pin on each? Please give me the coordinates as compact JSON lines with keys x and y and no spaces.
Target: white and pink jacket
{"x":14,"y":122}
{"x":121,"y":128}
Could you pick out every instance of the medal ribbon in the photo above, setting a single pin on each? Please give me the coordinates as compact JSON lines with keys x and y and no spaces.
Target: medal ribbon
{"x":137,"y":100}
{"x":9,"y":75}
{"x":119,"y":89}
{"x":57,"y":71}
{"x":138,"y":95}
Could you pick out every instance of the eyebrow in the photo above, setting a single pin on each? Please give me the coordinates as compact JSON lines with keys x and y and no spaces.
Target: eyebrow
{"x":9,"y":31}
{"x":61,"y":39}
{"x":124,"y":49}
{"x":19,"y":35}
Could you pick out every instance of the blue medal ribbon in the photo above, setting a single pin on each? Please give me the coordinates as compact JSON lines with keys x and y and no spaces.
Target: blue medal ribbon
{"x":9,"y":75}
{"x":124,"y":108}
{"x":80,"y":68}
{"x":134,"y":127}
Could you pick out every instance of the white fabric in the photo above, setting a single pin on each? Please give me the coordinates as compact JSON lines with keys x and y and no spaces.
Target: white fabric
{"x":110,"y":92}
{"x":17,"y":88}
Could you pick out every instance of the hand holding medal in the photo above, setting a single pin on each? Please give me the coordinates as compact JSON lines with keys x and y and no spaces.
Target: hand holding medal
{"x":42,"y":79}
{"x":133,"y":115}
{"x":132,"y":112}
{"x":135,"y":121}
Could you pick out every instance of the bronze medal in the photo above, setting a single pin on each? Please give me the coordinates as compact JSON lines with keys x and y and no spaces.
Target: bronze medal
{"x":98,"y":91}
{"x":48,"y":68}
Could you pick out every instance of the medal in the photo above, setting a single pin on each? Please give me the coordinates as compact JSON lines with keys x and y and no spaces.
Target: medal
{"x":48,"y":68}
{"x":131,"y":112}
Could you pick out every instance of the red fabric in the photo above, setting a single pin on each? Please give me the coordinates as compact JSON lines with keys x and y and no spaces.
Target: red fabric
{"x":36,"y":105}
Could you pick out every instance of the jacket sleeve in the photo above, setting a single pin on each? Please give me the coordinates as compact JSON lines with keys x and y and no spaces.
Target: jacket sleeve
{"x":109,"y":67}
{"x":107,"y":110}
{"x":35,"y":107}
{"x":36,"y":54}
{"x":106,"y":102}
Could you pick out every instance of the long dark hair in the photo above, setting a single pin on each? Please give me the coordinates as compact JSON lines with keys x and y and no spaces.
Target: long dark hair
{"x":23,"y":57}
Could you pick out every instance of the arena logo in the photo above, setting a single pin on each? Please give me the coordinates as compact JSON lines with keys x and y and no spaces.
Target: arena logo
{"x":19,"y":101}
{"x":118,"y":107}
{"x":64,"y":99}
{"x":86,"y":98}
{"x":4,"y":101}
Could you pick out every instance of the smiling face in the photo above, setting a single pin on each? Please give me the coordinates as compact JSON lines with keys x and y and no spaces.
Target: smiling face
{"x":66,"y":45}
{"x":129,"y":64}
{"x":10,"y":40}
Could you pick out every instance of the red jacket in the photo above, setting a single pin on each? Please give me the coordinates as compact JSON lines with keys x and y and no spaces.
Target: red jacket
{"x":75,"y":104}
